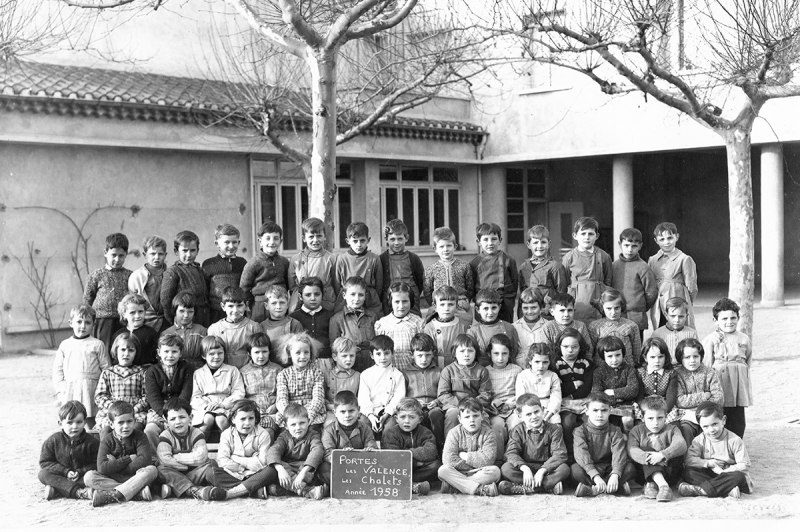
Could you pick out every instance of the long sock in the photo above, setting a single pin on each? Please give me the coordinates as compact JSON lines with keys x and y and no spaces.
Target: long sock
{"x":238,"y":491}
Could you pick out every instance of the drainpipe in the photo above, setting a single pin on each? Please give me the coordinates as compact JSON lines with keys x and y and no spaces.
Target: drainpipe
{"x":479,"y":149}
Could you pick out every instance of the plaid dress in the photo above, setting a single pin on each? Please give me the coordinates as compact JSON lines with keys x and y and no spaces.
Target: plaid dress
{"x":400,"y":330}
{"x":659,"y":384}
{"x":304,"y":386}
{"x":121,"y":383}
{"x":260,"y":386}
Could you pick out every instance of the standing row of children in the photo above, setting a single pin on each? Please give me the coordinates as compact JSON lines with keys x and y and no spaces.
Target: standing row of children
{"x":448,"y":281}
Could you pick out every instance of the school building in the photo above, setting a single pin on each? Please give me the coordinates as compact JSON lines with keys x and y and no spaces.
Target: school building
{"x":88,"y":149}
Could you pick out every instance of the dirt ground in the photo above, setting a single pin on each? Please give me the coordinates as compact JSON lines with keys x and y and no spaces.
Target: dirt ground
{"x":772,"y":439}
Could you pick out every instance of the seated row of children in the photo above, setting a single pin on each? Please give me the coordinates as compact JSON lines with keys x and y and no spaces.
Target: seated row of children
{"x":122,"y":466}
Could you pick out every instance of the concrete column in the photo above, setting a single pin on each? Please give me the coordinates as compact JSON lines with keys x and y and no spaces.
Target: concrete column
{"x":772,"y":229}
{"x":622,"y":174}
{"x":372,"y":205}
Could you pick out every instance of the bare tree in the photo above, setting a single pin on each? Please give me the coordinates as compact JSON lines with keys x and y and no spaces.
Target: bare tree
{"x":696,"y":56}
{"x":30,"y":27}
{"x":345,"y":66}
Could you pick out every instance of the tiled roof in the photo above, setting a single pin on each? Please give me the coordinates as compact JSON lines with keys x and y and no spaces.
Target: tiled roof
{"x":48,"y":88}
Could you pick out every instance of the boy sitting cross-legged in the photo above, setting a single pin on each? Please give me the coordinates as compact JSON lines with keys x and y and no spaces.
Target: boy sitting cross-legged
{"x":716,"y":463}
{"x":183,"y":457}
{"x":469,"y":454}
{"x":410,"y":435}
{"x":125,"y":460}
{"x":68,"y":455}
{"x":296,"y":455}
{"x":488,"y":323}
{"x":350,"y":431}
{"x":601,"y":463}
{"x":657,"y":448}
{"x":235,"y":328}
{"x":536,"y":458}
{"x":422,"y":384}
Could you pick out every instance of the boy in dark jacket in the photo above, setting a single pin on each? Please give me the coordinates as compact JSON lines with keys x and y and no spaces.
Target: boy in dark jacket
{"x":124,"y":461}
{"x":409,"y":435}
{"x":67,"y":455}
{"x":296,"y":455}
{"x":349,"y":431}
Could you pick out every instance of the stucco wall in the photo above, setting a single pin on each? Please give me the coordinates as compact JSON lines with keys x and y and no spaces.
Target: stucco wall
{"x":175,"y":190}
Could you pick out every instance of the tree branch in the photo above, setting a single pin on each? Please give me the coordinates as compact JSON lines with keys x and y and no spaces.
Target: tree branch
{"x":294,"y":19}
{"x":98,"y":4}
{"x":379,"y":24}
{"x":285,"y":44}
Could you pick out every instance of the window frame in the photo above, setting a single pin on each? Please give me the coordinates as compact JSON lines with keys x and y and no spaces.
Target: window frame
{"x":281,"y":174}
{"x":428,"y":185}
{"x":527,"y":180}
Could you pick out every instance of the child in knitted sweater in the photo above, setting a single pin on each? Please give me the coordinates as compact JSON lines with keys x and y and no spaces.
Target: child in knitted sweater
{"x":106,"y":287}
{"x":186,"y":274}
{"x":265,"y":269}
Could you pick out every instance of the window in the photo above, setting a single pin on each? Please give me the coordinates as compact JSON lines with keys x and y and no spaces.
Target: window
{"x":281,"y":195}
{"x":424,"y":197}
{"x":526,"y":200}
{"x":540,"y":74}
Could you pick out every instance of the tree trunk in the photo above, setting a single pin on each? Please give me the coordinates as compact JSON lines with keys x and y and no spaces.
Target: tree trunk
{"x":740,"y":203}
{"x":322,"y":178}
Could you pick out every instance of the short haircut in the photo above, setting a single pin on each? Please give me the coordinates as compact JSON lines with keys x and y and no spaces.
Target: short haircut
{"x":276,"y":291}
{"x":270,"y":227}
{"x":395,"y":227}
{"x":246,"y":405}
{"x":504,"y":340}
{"x":119,"y":408}
{"x":470,"y":404}
{"x":572,"y":332}
{"x":300,"y":338}
{"x":408,"y":404}
{"x":527,"y":399}
{"x":586,"y":222}
{"x":690,"y":343}
{"x":354,"y":281}
{"x":399,"y":287}
{"x":631,"y":234}
{"x":539,"y":232}
{"x":345,"y":397}
{"x":659,"y":344}
{"x":708,"y":409}
{"x":70,"y":410}
{"x":653,"y":403}
{"x":258,"y":339}
{"x":445,"y":293}
{"x":676,"y":302}
{"x":211,"y":342}
{"x":233,"y":294}
{"x":723,"y":305}
{"x":311,"y":281}
{"x":152,"y":242}
{"x":598,"y":397}
{"x":184,"y":299}
{"x":563,"y":299}
{"x":82,"y":311}
{"x":608,"y":344}
{"x":487,"y":295}
{"x":129,"y":339}
{"x":176,"y":404}
{"x":226,"y":230}
{"x":313,"y":225}
{"x":443,"y":233}
{"x":343,"y":345}
{"x":129,"y":299}
{"x":295,"y":410}
{"x":665,"y":227}
{"x":612,"y":294}
{"x":171,"y":339}
{"x":381,"y":342}
{"x":488,"y":228}
{"x":532,"y":295}
{"x":358,"y":230}
{"x":423,"y":342}
{"x":185,"y":237}
{"x":117,"y":240}
{"x":465,"y":340}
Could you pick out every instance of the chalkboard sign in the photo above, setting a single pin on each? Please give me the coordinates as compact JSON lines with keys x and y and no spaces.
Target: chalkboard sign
{"x":371,"y":475}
